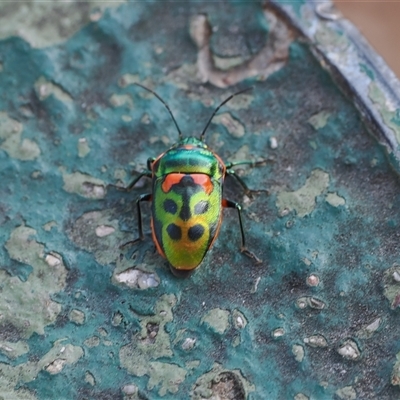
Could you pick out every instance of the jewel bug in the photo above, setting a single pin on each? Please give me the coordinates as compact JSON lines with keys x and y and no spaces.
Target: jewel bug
{"x":187,"y":185}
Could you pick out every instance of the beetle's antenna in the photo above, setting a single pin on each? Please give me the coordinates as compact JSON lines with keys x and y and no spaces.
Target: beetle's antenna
{"x":165,"y":104}
{"x":224,"y":102}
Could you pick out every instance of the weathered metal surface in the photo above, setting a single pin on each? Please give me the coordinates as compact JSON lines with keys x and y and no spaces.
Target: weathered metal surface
{"x":357,"y":69}
{"x":81,"y":318}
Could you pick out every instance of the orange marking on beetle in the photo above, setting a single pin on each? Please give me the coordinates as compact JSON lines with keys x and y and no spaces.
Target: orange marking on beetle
{"x":188,"y":146}
{"x":153,"y":234}
{"x":171,"y":179}
{"x":204,"y":181}
{"x":224,"y":203}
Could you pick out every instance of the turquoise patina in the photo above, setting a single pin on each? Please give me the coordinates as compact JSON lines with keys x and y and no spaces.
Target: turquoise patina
{"x":81,"y":318}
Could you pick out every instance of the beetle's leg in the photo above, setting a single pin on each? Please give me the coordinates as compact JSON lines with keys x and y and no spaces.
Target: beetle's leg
{"x":145,"y":172}
{"x":231,"y":204}
{"x":242,"y":183}
{"x":150,"y":161}
{"x":136,"y":180}
{"x":248,"y":191}
{"x":252,"y":163}
{"x":143,"y":197}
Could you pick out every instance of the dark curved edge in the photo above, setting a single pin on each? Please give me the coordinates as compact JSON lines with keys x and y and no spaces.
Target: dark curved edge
{"x":360,"y":51}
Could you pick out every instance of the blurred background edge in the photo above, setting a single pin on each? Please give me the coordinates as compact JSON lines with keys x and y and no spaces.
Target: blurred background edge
{"x":378,"y":22}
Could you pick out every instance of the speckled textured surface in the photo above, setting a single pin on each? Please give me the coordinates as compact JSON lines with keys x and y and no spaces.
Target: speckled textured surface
{"x":81,"y":318}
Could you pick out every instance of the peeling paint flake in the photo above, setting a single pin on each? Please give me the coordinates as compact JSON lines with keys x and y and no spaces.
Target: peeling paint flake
{"x":347,"y":393}
{"x":92,"y":341}
{"x":84,"y":185}
{"x":135,"y":278}
{"x":168,"y":376}
{"x":310,"y":302}
{"x":45,"y":88}
{"x":130,"y":390}
{"x":298,"y":352}
{"x":301,"y":396}
{"x":239,"y":320}
{"x":104,"y":230}
{"x":217,"y":319}
{"x":59,"y":356}
{"x":28,"y":150}
{"x":28,"y":305}
{"x":128,"y":79}
{"x":13,"y":350}
{"x":271,"y":57}
{"x":119,"y":100}
{"x":319,"y":120}
{"x":48,"y":226}
{"x":316,"y":341}
{"x":53,"y":259}
{"x":77,"y":317}
{"x":234,"y":127}
{"x":349,"y":350}
{"x":13,"y":144}
{"x":335,"y":200}
{"x":366,"y":332}
{"x":53,"y":362}
{"x":140,"y":356}
{"x":188,"y":344}
{"x":89,"y":378}
{"x":83,"y":147}
{"x":303,"y":199}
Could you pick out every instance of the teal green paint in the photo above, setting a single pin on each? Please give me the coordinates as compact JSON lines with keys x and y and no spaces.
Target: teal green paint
{"x":347,"y":282}
{"x":59,"y":198}
{"x":367,"y":71}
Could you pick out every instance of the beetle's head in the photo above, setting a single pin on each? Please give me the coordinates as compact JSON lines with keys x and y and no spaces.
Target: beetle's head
{"x":191,"y":141}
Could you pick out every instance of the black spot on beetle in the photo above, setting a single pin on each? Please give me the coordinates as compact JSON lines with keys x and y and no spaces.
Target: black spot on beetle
{"x":170,"y":206}
{"x":201,"y":207}
{"x":187,"y":181}
{"x":195,"y":232}
{"x":185,"y":213}
{"x":174,"y":231}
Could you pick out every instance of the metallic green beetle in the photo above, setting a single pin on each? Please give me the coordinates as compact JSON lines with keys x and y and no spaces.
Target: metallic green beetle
{"x":187,"y":182}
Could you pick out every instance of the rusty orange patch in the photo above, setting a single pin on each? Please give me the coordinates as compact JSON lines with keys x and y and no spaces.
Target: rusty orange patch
{"x":153,"y":234}
{"x":171,"y":179}
{"x":204,"y":181}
